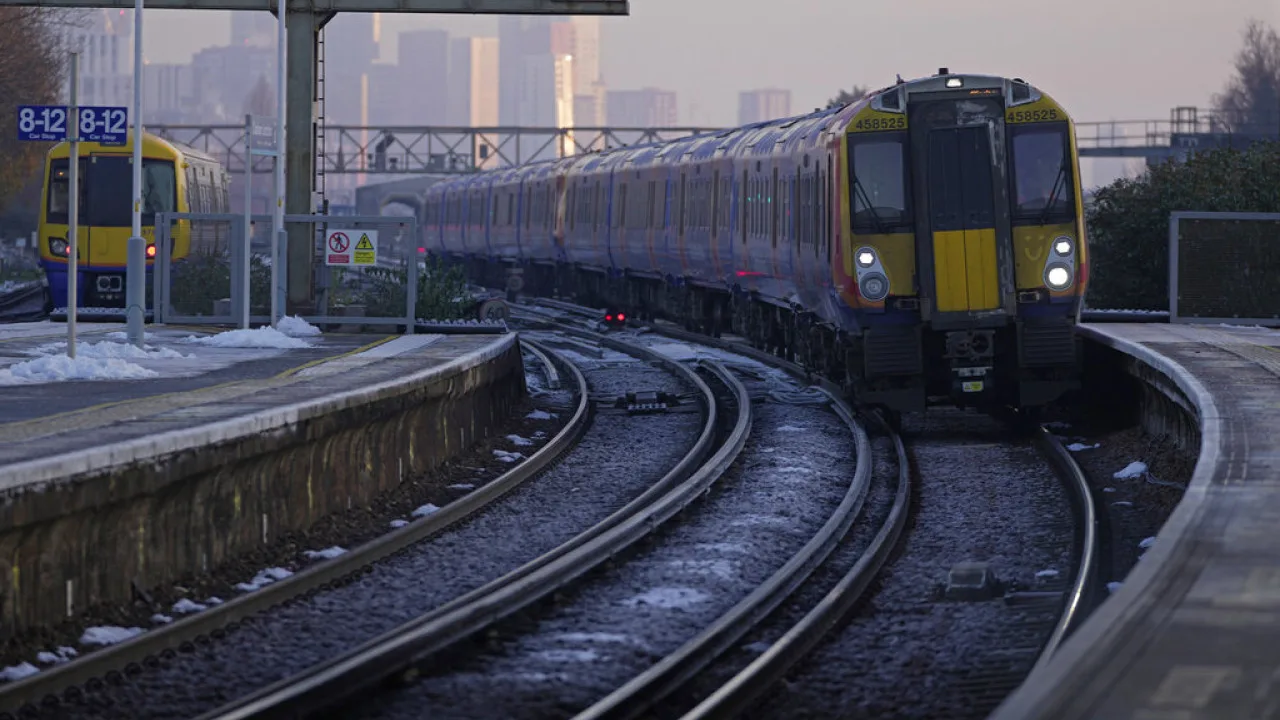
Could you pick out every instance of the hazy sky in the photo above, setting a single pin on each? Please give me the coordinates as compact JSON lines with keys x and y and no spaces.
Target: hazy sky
{"x":1103,"y":59}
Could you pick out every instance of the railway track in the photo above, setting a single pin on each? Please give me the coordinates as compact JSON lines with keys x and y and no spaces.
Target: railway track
{"x":209,"y":658}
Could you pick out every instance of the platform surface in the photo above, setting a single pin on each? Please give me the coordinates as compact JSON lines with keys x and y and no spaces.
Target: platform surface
{"x":206,"y":384}
{"x":1194,"y":633}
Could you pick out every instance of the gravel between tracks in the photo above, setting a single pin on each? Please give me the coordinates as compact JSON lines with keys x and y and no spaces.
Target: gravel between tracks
{"x":907,"y":653}
{"x":599,"y":475}
{"x":536,"y":420}
{"x":793,"y":472}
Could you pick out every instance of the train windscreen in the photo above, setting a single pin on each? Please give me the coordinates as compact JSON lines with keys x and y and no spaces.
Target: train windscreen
{"x":1042,"y":188}
{"x":878,"y":182}
{"x":106,"y":186}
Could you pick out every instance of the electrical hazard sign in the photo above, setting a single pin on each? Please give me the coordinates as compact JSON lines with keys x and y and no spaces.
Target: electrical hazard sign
{"x":366,"y":252}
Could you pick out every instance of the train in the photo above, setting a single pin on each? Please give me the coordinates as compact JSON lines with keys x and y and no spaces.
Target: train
{"x":175,"y":178}
{"x":921,"y":246}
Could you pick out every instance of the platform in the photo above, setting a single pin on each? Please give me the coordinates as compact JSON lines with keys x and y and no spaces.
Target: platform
{"x":1194,"y":632}
{"x":214,"y":447}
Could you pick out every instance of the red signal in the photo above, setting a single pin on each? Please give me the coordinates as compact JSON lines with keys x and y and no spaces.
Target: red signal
{"x":608,"y":318}
{"x":621,"y":317}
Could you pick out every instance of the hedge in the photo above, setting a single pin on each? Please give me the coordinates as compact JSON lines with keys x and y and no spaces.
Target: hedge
{"x":1128,"y":222}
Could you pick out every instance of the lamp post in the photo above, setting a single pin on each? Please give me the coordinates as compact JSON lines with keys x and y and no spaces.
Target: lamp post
{"x":136,"y":263}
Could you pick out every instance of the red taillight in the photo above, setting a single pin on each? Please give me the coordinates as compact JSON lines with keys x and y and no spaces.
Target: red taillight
{"x":151,"y":251}
{"x":422,"y":250}
{"x":608,"y":318}
{"x":621,"y":317}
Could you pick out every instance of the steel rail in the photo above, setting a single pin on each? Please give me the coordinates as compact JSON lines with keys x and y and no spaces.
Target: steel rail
{"x":644,"y":691}
{"x":146,"y":649}
{"x":548,"y":368}
{"x":1085,"y":584}
{"x":399,"y":651}
{"x":743,"y":689}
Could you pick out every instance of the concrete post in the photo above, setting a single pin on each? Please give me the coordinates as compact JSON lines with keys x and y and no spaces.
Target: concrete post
{"x":302,"y":28}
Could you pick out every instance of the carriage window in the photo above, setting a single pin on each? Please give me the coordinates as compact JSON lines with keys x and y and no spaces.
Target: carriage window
{"x":1041,"y":172}
{"x":878,"y":186}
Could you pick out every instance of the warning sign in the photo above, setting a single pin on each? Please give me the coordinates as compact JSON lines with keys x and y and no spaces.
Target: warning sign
{"x":366,"y":252}
{"x":338,"y":248}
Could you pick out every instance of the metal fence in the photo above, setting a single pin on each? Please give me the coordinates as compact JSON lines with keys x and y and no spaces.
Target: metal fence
{"x":1223,"y":268}
{"x":364,"y":267}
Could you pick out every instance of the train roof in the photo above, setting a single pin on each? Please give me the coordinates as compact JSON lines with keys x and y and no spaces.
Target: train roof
{"x":152,"y":144}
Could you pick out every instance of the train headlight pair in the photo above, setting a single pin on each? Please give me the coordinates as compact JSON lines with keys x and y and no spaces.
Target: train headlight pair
{"x":59,"y":247}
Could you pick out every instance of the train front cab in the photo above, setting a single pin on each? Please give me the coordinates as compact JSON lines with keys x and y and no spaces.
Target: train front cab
{"x":956,"y":226}
{"x":172,"y":180}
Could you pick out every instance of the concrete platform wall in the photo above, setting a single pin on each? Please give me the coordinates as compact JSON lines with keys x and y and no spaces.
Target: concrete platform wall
{"x":96,"y":536}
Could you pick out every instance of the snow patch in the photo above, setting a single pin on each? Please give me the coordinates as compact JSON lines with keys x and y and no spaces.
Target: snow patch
{"x":540,"y":415}
{"x":594,"y":637}
{"x":399,"y":523}
{"x":1122,"y":503}
{"x":1108,"y":489}
{"x":1050,"y":573}
{"x":759,"y":647}
{"x":519,"y":441}
{"x":1077,"y":447}
{"x":185,"y":606}
{"x":107,"y":350}
{"x":265,"y":577}
{"x":61,"y":655}
{"x":425,"y":510}
{"x":161,"y":619}
{"x":668,"y":598}
{"x":294,"y":326}
{"x":263,"y":337}
{"x":790,"y":428}
{"x":213,"y":600}
{"x":51,"y":368}
{"x":507,"y":457}
{"x":1133,"y":470}
{"x":462,"y":486}
{"x":19,"y":671}
{"x":1113,"y":586}
{"x":108,"y":635}
{"x":326,"y":554}
{"x":568,"y":655}
{"x":1147,"y":542}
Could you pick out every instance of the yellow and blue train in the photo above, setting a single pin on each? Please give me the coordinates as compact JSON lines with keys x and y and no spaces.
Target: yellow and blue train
{"x":175,"y":178}
{"x":922,"y":245}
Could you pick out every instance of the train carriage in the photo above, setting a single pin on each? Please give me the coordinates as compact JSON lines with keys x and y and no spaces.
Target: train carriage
{"x":175,"y":178}
{"x":924,"y":244}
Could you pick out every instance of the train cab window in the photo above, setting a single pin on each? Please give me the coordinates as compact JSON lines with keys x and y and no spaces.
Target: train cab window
{"x":1041,"y":172}
{"x":59,"y":197}
{"x":878,"y":182}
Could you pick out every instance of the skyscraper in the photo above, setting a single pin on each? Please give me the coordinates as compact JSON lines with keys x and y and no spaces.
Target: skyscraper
{"x":253,"y":28}
{"x":422,"y":85}
{"x":105,"y":41}
{"x":473,"y":91}
{"x":760,"y":105}
{"x":646,"y":108}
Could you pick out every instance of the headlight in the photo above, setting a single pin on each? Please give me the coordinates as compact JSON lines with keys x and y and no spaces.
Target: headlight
{"x":58,"y":246}
{"x":874,"y":287}
{"x":1062,"y":245}
{"x":866,"y":257}
{"x":1057,"y":277}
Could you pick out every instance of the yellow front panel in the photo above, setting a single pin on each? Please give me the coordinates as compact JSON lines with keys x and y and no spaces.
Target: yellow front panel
{"x":949,"y":270}
{"x":897,"y":253}
{"x":980,"y":261}
{"x":1031,"y":247}
{"x":965,"y":270}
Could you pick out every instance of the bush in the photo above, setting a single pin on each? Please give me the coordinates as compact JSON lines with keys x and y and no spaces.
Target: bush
{"x":1129,"y":220}
{"x":200,"y":279}
{"x":442,"y":292}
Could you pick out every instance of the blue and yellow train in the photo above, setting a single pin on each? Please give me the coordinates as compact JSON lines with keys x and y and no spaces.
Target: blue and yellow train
{"x":923,"y":245}
{"x":175,"y":178}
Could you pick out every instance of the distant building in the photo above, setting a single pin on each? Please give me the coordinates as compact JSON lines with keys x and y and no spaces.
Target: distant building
{"x":473,"y":91}
{"x":105,"y":42}
{"x":350,"y":49}
{"x":253,"y":28}
{"x":759,"y":105}
{"x":646,"y":108}
{"x":421,"y":93}
{"x":222,"y":79}
{"x":166,"y":94}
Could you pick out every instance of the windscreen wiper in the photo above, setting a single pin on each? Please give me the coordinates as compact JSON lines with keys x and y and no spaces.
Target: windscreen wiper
{"x":1058,"y":184}
{"x":875,"y":217}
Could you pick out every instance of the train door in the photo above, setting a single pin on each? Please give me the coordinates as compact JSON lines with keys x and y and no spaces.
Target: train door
{"x":961,"y":234}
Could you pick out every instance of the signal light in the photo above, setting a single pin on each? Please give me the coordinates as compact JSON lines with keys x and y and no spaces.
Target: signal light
{"x":151,"y":251}
{"x":622,"y":318}
{"x":608,"y":318}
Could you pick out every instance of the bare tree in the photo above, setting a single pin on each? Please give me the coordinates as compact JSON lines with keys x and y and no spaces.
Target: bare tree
{"x":260,"y":100}
{"x":33,"y":61}
{"x":1250,"y":104}
{"x":845,"y":97}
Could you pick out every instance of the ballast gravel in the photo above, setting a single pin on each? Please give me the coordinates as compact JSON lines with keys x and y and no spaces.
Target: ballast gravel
{"x":793,"y":473}
{"x":602,"y":473}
